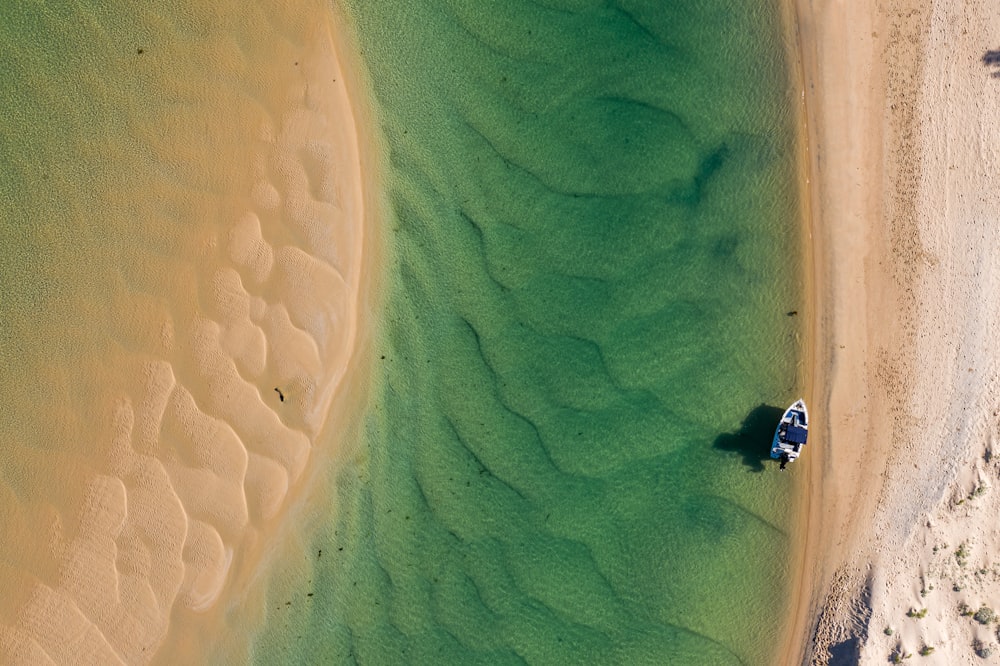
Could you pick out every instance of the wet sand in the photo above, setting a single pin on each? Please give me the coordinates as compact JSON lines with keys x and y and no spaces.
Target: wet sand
{"x":217,"y":356}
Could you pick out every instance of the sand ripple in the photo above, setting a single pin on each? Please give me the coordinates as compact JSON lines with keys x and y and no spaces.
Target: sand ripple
{"x":207,"y":334}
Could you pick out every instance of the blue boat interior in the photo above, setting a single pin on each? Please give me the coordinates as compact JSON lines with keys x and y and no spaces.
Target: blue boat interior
{"x":796,"y":434}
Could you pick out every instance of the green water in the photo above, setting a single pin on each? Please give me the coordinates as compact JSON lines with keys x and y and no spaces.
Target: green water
{"x":591,"y":210}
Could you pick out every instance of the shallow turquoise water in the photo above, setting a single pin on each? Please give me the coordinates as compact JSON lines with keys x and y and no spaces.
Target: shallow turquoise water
{"x":592,"y":210}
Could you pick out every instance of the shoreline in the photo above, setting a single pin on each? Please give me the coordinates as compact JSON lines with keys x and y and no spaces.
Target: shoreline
{"x":802,"y":593}
{"x":903,"y":129}
{"x":216,"y":387}
{"x":841,"y":153}
{"x":290,"y":564}
{"x":285,"y":555}
{"x":844,"y":147}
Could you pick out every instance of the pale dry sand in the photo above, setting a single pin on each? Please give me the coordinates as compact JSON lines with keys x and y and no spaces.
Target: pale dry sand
{"x":157,"y":506}
{"x":904,"y":127}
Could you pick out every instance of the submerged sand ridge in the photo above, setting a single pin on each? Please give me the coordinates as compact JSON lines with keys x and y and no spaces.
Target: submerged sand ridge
{"x":205,"y":337}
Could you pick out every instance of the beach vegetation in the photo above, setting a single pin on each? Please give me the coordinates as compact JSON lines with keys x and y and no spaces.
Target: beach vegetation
{"x":919,"y":614}
{"x":888,"y":631}
{"x":926,"y":651}
{"x":982,"y":650}
{"x":985,"y":615}
{"x":964,"y":610}
{"x":962,"y":554}
{"x":978,"y":490}
{"x":898,"y":655}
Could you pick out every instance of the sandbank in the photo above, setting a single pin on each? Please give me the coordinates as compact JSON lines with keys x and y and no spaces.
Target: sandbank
{"x":903,"y":133}
{"x":225,"y":361}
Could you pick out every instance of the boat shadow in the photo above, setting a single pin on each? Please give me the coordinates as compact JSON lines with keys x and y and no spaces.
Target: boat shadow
{"x":753,"y":440}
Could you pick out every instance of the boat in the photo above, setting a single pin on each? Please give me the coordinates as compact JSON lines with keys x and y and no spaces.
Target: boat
{"x":791,"y":433}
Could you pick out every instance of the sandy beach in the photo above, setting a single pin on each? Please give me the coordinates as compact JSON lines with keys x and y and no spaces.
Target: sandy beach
{"x":222,"y":381}
{"x":154,"y":475}
{"x":903,"y":135}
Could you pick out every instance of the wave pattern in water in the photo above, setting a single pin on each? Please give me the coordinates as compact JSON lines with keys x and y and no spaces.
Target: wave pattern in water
{"x":591,"y":217}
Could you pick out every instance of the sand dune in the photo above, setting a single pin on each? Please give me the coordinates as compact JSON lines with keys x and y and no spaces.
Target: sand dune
{"x":222,"y":320}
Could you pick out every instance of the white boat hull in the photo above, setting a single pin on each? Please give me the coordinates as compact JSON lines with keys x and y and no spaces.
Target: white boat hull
{"x":791,"y":434}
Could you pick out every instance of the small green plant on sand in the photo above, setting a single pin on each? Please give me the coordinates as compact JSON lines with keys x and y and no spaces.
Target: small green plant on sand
{"x":898,"y":655}
{"x":964,"y":610}
{"x":888,"y":631}
{"x":979,"y":490}
{"x":962,"y":554}
{"x":926,"y":651}
{"x":985,"y":615}
{"x":919,"y":614}
{"x":982,"y":650}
